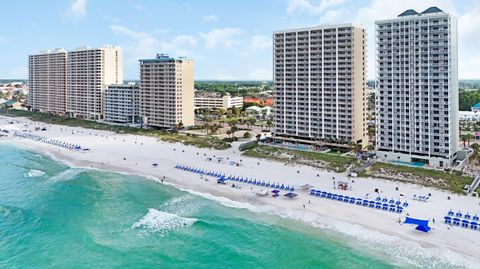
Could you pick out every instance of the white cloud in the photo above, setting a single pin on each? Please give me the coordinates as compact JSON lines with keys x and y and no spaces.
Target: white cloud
{"x":211,"y":18}
{"x":259,"y":43}
{"x":261,"y":74}
{"x":139,"y":7}
{"x":227,"y":37}
{"x":144,"y":45}
{"x":307,"y":7}
{"x":18,"y":72}
{"x":78,"y":8}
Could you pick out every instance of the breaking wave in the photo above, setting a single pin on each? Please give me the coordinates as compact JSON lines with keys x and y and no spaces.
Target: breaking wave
{"x":34,"y":173}
{"x":66,"y":175}
{"x":155,"y":221}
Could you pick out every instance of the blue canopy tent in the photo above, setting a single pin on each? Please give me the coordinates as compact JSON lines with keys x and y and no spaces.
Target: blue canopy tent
{"x":422,"y":225}
{"x":291,"y":195}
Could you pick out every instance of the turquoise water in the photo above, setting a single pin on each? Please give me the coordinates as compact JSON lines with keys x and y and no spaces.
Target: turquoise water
{"x":53,"y":216}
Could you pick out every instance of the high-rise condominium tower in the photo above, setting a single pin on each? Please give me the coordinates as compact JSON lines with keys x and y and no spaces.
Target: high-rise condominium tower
{"x":417,"y":88}
{"x":167,"y":91}
{"x":319,"y":80}
{"x":89,"y":70}
{"x":47,"y":81}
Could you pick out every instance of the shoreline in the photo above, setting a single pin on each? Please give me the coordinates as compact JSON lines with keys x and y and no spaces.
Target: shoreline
{"x":319,"y":213}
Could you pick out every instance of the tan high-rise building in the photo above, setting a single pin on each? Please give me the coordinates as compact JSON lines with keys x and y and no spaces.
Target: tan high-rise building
{"x":167,"y":91}
{"x":319,"y":84}
{"x":89,"y":70}
{"x":47,"y":81}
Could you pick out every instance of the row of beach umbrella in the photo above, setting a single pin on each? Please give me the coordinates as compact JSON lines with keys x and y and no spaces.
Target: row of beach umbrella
{"x":262,"y":183}
{"x":462,"y":220}
{"x":199,"y":171}
{"x":391,"y":201}
{"x":222,"y":178}
{"x":43,"y":139}
{"x":357,"y":201}
{"x":459,"y":214}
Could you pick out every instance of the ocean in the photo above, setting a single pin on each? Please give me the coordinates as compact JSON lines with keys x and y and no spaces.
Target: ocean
{"x":56,"y":216}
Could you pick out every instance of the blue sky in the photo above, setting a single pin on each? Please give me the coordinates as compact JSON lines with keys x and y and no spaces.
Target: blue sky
{"x":227,"y":39}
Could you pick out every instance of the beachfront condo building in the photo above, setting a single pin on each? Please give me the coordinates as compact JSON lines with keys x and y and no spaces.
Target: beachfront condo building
{"x":319,"y":84}
{"x":167,"y":92}
{"x":48,"y":82}
{"x":122,"y":103}
{"x":217,"y":100}
{"x":89,"y":71}
{"x":417,"y":88}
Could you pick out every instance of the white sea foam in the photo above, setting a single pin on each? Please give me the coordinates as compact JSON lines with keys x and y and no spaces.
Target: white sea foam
{"x":66,"y":175}
{"x":395,"y":249}
{"x":160,"y":222}
{"x":34,"y":173}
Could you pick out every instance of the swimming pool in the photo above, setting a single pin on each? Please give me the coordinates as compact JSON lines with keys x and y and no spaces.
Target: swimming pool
{"x":415,"y":164}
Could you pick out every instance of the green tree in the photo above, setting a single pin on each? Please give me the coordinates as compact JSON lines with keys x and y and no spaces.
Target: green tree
{"x":464,"y":139}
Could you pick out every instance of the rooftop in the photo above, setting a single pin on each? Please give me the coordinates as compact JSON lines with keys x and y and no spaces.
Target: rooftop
{"x":162,"y":58}
{"x":411,"y":12}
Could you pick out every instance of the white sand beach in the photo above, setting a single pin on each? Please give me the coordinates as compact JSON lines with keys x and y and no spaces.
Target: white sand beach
{"x":136,"y":154}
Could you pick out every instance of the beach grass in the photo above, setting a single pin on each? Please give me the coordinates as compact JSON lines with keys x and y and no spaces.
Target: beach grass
{"x":446,"y":180}
{"x":315,"y":159}
{"x":187,"y":139}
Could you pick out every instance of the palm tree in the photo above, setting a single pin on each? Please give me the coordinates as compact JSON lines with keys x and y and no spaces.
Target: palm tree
{"x":179,"y":126}
{"x":370,"y":147}
{"x":476,"y":153}
{"x":250,"y":122}
{"x":463,"y":137}
{"x":229,"y":133}
{"x":214,"y":128}
{"x":469,"y":138}
{"x":269,"y":125}
{"x":232,"y":130}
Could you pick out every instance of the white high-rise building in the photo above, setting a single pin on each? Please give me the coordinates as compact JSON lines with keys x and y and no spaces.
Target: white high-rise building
{"x":417,"y":88}
{"x":167,"y":91}
{"x":89,"y":70}
{"x":319,"y":84}
{"x":47,"y":81}
{"x":122,"y":103}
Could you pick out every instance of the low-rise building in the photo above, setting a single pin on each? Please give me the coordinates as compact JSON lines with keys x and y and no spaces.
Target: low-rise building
{"x":122,"y":103}
{"x":476,"y":107}
{"x":263,"y":101}
{"x":469,"y":115}
{"x":259,"y":112}
{"x":216,"y":100}
{"x":13,"y":104}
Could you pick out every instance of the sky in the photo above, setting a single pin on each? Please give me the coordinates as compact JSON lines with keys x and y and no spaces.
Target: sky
{"x":227,"y":39}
